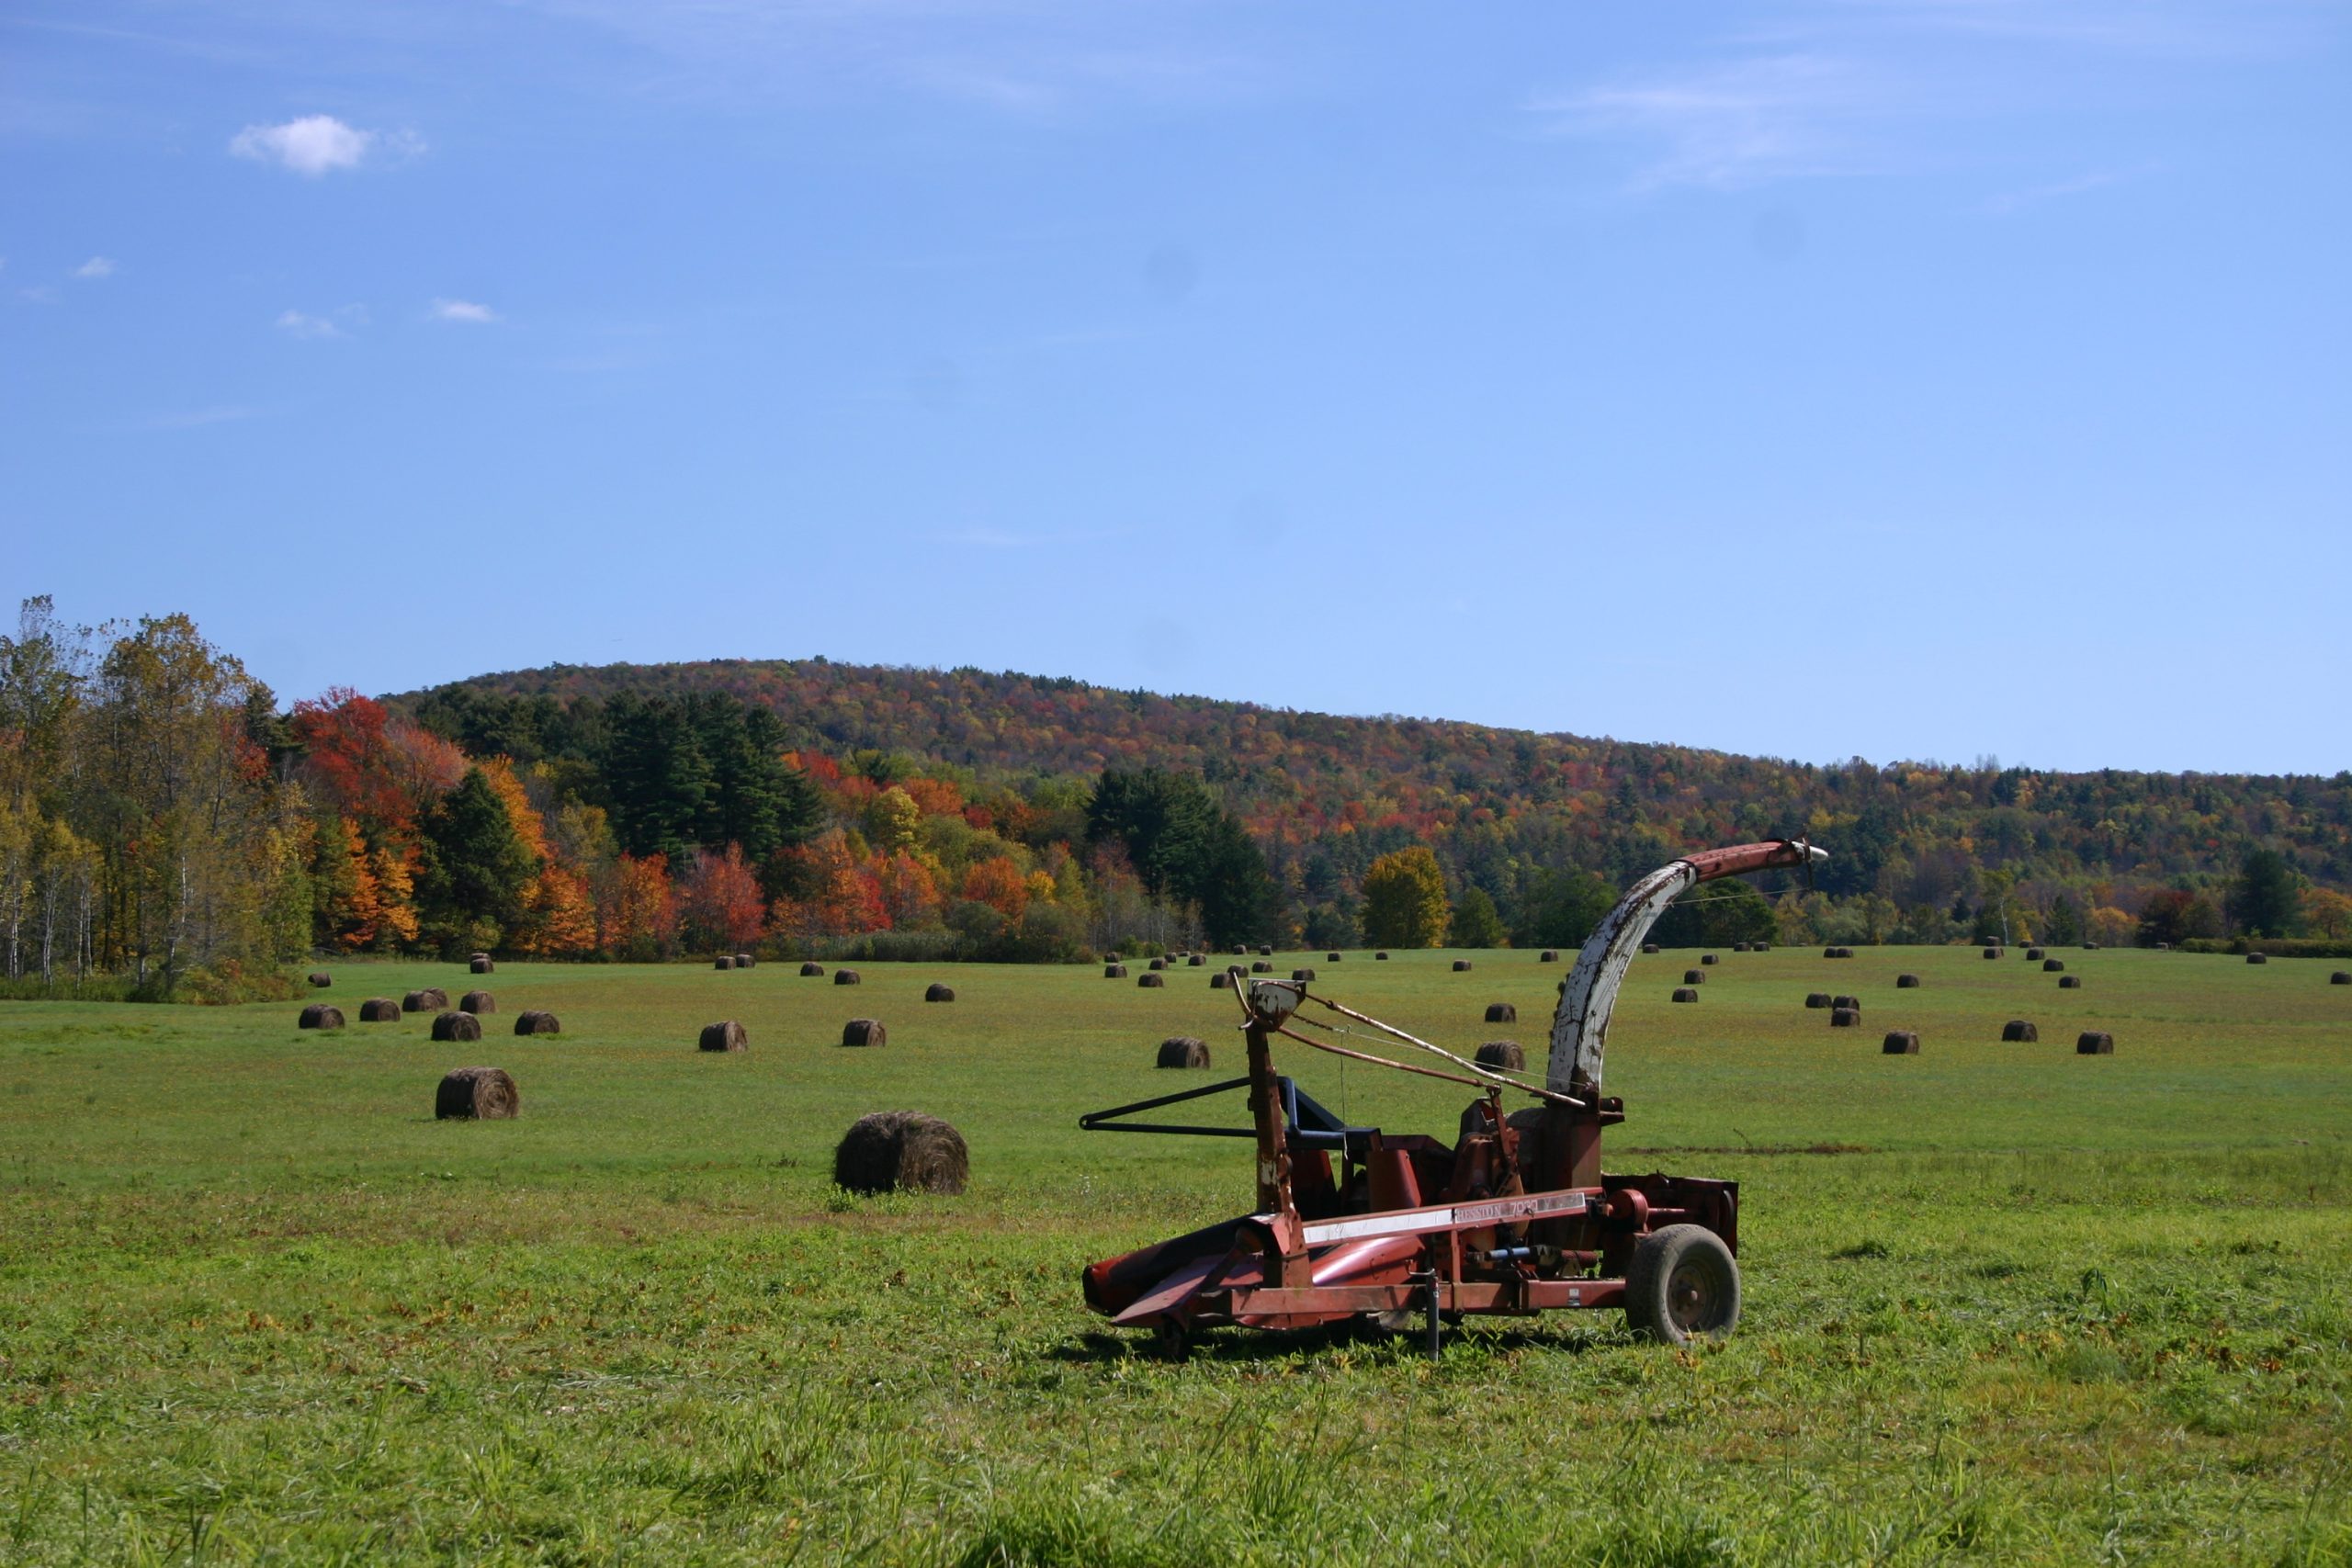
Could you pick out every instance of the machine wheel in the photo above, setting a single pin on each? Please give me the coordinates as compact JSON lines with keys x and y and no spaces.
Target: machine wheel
{"x":1683,"y":1285}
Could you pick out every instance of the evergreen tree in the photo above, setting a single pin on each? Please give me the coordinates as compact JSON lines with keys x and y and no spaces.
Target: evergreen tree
{"x":655,"y":776}
{"x":1559,"y":909}
{"x":1474,"y":922}
{"x":2264,"y":900}
{"x":476,"y":868}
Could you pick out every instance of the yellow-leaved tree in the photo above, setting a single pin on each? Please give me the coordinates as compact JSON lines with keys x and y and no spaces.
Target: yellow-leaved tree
{"x":1403,"y":899}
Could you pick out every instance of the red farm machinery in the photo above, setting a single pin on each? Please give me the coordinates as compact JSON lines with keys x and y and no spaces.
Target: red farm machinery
{"x":1513,"y":1217}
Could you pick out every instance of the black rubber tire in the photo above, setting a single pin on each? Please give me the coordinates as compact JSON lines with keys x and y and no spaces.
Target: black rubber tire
{"x":1683,"y":1285}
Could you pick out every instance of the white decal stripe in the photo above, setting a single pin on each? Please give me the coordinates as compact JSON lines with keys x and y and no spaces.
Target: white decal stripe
{"x":1446,"y":1216}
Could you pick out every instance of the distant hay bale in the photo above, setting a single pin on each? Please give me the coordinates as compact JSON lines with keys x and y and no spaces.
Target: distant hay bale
{"x":1333,"y":957}
{"x":1265,"y":952}
{"x":936,"y":992}
{"x":455,"y":1026}
{"x":864,"y":1032}
{"x":1194,"y":962}
{"x":1183,"y":1051}
{"x":320,"y":1015}
{"x":2163,"y":947}
{"x":2070,"y":982}
{"x":533,"y":1021}
{"x":1157,"y":964}
{"x":1502,"y":1055}
{"x":743,"y":961}
{"x":1501,"y":1012}
{"x":380,"y":1009}
{"x":2054,"y":965}
{"x":1710,"y":958}
{"x":477,"y":1002}
{"x":2094,"y":1042}
{"x":812,"y":967}
{"x":1221,"y":981}
{"x":1989,"y":941}
{"x":848,"y":977}
{"x":321,"y":978}
{"x":1846,"y":1001}
{"x":1241,"y":950}
{"x":1845,"y":1018}
{"x":1461,"y":965}
{"x":1694,"y":976}
{"x":1652,"y":947}
{"x":2034,"y":955}
{"x":1151,"y":982}
{"x":430,"y":999}
{"x":1906,"y":982}
{"x":1817,"y":998}
{"x":1828,"y":953}
{"x":1685,"y":994}
{"x":1260,"y":967}
{"x":722,"y":963}
{"x":1900,"y":1042}
{"x":2090,"y":947}
{"x":476,"y":1094}
{"x":2258,"y":958}
{"x":2019,"y":1032}
{"x":1114,"y":971}
{"x":1549,"y":955}
{"x":1759,"y":946}
{"x":1739,"y":947}
{"x":725,"y":1035}
{"x":481,"y":964}
{"x":902,"y":1151}
{"x":1992,"y":953}
{"x":1302,"y":974}
{"x":1382,"y":955}
{"x":2341,"y":977}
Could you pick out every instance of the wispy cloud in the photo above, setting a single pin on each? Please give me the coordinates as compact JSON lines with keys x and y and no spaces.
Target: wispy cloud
{"x":294,"y":323}
{"x":2008,"y":202}
{"x":463,"y":312}
{"x":1729,"y":125}
{"x":95,"y":268}
{"x":319,"y":144}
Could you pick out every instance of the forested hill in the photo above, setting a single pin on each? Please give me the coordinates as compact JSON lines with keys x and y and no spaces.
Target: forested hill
{"x":1325,"y":795}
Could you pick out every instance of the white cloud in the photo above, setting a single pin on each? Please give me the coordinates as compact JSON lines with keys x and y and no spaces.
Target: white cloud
{"x":296,"y":324}
{"x":1731,"y":125}
{"x":95,"y":268}
{"x":318,"y":143}
{"x":463,"y":310}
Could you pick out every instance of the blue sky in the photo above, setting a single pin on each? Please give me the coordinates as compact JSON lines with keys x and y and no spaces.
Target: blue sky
{"x":1903,"y":380}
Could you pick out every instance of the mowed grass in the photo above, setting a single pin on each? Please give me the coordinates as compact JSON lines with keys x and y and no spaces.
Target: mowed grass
{"x":2005,"y":1304}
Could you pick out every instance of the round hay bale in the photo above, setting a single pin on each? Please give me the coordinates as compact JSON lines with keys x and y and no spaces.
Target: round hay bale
{"x":1183,"y":1051}
{"x":2035,"y":955}
{"x":902,"y":1151}
{"x":1989,"y":941}
{"x":812,"y":967}
{"x":1817,"y":998}
{"x":1382,"y":955}
{"x":2070,"y":982}
{"x":1501,"y":1012}
{"x":321,"y":980}
{"x":1652,"y":947}
{"x":1333,"y":957}
{"x":864,"y":1032}
{"x":533,"y":1021}
{"x":477,"y":1002}
{"x":2090,"y":947}
{"x":1685,"y":994}
{"x":936,"y":992}
{"x":2018,"y":1030}
{"x":1504,"y":1055}
{"x":1461,"y":966}
{"x":476,"y":1094}
{"x":1760,"y":947}
{"x":2054,"y":965}
{"x":848,"y":977}
{"x":1260,"y":967}
{"x":1265,"y":952}
{"x":1302,"y":974}
{"x":481,"y":964}
{"x":2341,"y":977}
{"x":1241,"y":950}
{"x":457,"y":1026}
{"x":743,"y":961}
{"x":1906,"y":982}
{"x":320,"y":1015}
{"x":2258,"y":958}
{"x":432,"y":999}
{"x":1710,"y":958}
{"x":1694,"y":976}
{"x":725,"y":1035}
{"x":1992,"y":953}
{"x":1854,"y":1002}
{"x":1114,"y":971}
{"x":1549,"y":955}
{"x":1194,"y":962}
{"x":1221,"y":981}
{"x":1845,"y":1018}
{"x":722,"y":963}
{"x":1830,"y":953}
{"x":1151,"y":982}
{"x":380,"y":1009}
{"x":2163,"y":947}
{"x":2094,"y":1042}
{"x":1900,"y":1042}
{"x":1157,"y":964}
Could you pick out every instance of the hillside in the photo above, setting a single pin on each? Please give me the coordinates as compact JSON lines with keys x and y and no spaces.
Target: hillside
{"x":1915,"y":844}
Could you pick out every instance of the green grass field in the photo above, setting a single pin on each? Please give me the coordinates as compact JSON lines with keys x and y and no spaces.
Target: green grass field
{"x":2005,"y":1304}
